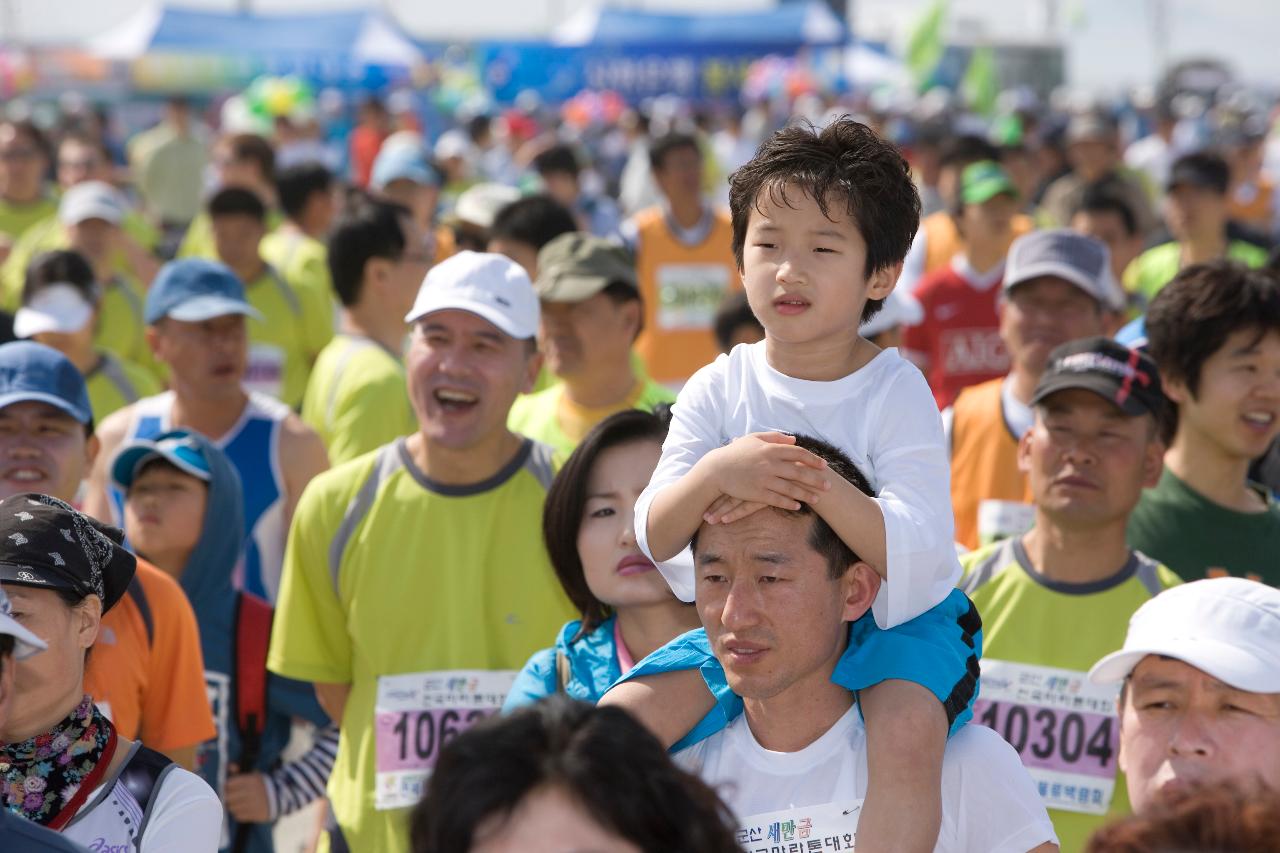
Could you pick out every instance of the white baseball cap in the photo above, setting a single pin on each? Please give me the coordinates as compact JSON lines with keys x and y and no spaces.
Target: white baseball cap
{"x":25,"y":643}
{"x":1227,"y":627}
{"x":490,"y":286}
{"x":480,"y":204}
{"x":58,"y":307}
{"x":92,"y":200}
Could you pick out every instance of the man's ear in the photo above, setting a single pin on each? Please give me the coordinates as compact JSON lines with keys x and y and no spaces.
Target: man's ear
{"x":92,"y":446}
{"x":631,"y":317}
{"x":860,"y":585}
{"x":1153,"y":462}
{"x":533,"y":365}
{"x":1024,"y":450}
{"x":1176,"y":390}
{"x":376,"y":272}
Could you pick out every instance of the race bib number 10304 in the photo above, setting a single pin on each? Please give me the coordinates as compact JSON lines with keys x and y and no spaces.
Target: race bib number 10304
{"x":416,"y":714}
{"x":1063,"y":726}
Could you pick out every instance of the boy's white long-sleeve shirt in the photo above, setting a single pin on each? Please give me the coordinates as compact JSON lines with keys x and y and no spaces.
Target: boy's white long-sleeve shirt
{"x":882,"y":416}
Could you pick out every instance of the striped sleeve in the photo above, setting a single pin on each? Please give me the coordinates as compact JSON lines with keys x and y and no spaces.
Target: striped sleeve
{"x":292,"y":786}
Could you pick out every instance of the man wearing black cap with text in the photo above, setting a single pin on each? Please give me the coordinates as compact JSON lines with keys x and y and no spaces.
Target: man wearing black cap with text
{"x":1060,"y":595}
{"x":1196,"y":213}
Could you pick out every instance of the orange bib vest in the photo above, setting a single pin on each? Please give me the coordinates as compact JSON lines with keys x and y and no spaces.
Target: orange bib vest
{"x":682,"y":286}
{"x":984,"y":466}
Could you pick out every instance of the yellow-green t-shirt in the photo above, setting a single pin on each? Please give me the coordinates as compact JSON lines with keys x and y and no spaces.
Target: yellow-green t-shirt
{"x":547,"y":416}
{"x":1148,"y":273}
{"x":15,"y":219}
{"x":115,"y":383}
{"x":49,"y":235}
{"x":302,"y":260}
{"x":285,"y":343}
{"x":356,"y":399}
{"x":198,"y":241}
{"x":428,"y":579}
{"x":1039,"y":639}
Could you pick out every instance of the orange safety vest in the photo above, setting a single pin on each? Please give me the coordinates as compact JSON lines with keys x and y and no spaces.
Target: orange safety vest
{"x":1258,"y":210}
{"x":942,"y":240}
{"x":984,"y":467}
{"x":682,"y":287}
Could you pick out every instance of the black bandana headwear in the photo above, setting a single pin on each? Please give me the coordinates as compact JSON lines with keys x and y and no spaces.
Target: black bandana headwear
{"x":46,"y":543}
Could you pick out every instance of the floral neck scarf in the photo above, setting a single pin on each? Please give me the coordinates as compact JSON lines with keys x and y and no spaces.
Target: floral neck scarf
{"x":47,"y":778}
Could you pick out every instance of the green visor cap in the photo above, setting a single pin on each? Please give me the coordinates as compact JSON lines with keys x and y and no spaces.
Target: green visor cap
{"x":983,"y":181}
{"x":577,"y":266}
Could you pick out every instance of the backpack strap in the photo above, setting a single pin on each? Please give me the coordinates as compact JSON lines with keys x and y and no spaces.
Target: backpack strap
{"x":253,"y":636}
{"x":139,"y":597}
{"x":142,"y":777}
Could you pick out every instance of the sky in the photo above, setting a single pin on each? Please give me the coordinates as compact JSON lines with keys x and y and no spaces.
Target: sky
{"x":1110,"y":43}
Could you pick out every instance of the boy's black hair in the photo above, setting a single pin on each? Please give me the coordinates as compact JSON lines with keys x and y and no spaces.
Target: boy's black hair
{"x":963,"y":150}
{"x":367,"y":227}
{"x":558,"y":159}
{"x":237,"y":201}
{"x":1195,"y":313}
{"x":734,"y":311}
{"x":844,"y":164}
{"x":296,"y":185}
{"x":535,"y":220}
{"x":1099,"y":198}
{"x":664,"y":145}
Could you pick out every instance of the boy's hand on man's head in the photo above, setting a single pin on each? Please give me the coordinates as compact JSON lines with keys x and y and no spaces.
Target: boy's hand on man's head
{"x":764,"y":468}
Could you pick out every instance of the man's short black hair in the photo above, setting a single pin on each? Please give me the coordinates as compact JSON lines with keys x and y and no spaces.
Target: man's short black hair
{"x":1204,"y":168}
{"x":250,"y":147}
{"x":844,"y":164}
{"x":367,"y":227}
{"x":733,"y":313}
{"x":535,"y":220}
{"x":664,"y":145}
{"x":237,"y":201}
{"x":966,"y":149}
{"x":296,"y":185}
{"x":1195,"y":313}
{"x":557,"y":160}
{"x":1100,"y":198}
{"x":822,"y":538}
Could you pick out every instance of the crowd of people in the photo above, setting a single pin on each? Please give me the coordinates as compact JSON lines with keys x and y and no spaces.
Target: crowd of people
{"x":687,"y":482}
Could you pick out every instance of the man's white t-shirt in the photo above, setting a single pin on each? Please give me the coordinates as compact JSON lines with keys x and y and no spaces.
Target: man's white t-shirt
{"x":882,"y":416}
{"x":989,"y":803}
{"x":185,"y":815}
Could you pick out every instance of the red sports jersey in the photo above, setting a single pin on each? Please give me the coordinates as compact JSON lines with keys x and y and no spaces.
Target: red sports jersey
{"x":958,"y":342}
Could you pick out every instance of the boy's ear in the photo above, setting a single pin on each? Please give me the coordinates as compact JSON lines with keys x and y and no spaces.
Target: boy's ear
{"x":883,"y":280}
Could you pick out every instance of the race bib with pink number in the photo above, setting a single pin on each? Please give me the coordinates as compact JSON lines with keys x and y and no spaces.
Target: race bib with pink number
{"x":1064,"y":728}
{"x":416,"y":714}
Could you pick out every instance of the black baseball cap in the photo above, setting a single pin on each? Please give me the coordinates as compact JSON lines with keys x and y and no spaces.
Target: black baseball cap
{"x":1126,"y":377}
{"x":47,"y":544}
{"x":1208,"y":171}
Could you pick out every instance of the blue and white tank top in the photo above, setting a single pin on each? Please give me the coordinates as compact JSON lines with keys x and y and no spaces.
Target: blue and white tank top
{"x":253,"y":446}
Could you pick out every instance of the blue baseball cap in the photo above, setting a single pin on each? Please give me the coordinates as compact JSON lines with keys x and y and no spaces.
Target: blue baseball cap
{"x":193,"y":290}
{"x":34,"y":372}
{"x":175,"y":447}
{"x":402,"y":162}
